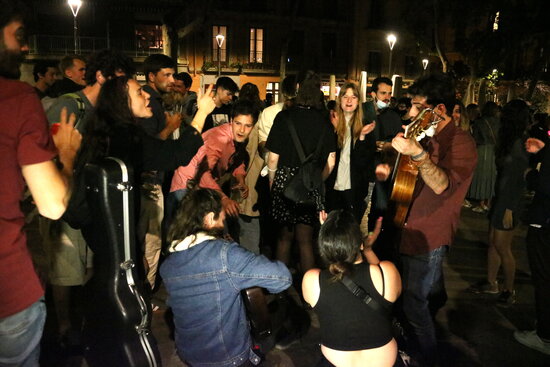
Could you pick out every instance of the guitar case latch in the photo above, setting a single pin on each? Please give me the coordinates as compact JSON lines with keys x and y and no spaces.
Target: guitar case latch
{"x":124,"y":186}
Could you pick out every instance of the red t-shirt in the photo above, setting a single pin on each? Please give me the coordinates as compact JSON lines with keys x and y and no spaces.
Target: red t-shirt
{"x":433,"y":219}
{"x":24,"y":140}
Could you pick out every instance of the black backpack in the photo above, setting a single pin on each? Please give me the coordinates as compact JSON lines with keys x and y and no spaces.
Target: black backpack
{"x":299,"y":188}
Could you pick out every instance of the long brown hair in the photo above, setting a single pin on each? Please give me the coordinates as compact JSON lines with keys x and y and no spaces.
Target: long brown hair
{"x":356,"y":120}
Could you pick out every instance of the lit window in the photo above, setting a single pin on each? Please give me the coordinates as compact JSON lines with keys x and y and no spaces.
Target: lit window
{"x":256,"y":45}
{"x":273,"y":88}
{"x":216,"y":30}
{"x":149,"y":37}
{"x":495,"y":23}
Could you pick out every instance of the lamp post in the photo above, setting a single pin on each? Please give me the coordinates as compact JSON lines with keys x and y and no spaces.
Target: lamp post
{"x":391,"y":42}
{"x":425,"y":63}
{"x":219,"y":39}
{"x":75,"y":7}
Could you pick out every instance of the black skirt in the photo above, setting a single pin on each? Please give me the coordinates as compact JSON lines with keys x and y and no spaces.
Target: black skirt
{"x":285,"y":211}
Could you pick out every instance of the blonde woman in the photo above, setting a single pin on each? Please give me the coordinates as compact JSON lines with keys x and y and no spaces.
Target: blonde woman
{"x":348,"y":184}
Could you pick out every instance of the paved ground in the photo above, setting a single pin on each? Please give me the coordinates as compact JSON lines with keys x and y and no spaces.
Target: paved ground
{"x":472,"y":330}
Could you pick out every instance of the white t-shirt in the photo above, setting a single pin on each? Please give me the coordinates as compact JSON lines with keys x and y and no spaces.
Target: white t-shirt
{"x":266,"y":120}
{"x":343,"y":177}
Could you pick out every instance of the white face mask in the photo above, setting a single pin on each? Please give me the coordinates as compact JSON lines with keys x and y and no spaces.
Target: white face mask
{"x":381,"y":104}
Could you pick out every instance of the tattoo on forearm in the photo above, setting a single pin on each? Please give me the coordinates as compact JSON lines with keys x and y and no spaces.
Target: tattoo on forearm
{"x":433,"y":176}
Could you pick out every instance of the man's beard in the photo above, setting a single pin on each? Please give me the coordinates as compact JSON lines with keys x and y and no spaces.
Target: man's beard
{"x":10,"y":62}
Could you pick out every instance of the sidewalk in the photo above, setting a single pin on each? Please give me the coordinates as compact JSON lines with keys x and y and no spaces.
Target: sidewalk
{"x":472,"y":330}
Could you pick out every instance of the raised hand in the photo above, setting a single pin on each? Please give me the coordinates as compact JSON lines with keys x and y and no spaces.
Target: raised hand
{"x":67,"y":139}
{"x":205,"y":102}
{"x":367,"y":129}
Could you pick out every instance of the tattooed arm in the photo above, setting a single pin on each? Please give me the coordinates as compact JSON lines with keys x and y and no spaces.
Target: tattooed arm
{"x":435,"y":177}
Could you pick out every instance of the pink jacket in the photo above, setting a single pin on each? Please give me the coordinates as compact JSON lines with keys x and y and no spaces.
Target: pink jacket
{"x":218,"y":148}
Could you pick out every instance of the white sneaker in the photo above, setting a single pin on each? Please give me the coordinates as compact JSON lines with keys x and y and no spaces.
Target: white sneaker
{"x":532,"y":340}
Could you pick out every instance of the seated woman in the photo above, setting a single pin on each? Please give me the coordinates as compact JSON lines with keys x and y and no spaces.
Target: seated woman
{"x":204,"y":275}
{"x":352,"y":332}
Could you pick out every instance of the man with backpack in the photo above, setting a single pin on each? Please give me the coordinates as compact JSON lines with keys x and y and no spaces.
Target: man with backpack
{"x":101,"y":66}
{"x":70,"y":258}
{"x":27,"y":151}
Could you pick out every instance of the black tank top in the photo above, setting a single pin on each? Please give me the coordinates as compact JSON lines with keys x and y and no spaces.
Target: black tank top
{"x":347,"y":323}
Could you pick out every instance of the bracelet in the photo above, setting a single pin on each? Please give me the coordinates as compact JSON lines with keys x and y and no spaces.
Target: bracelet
{"x":419,"y":155}
{"x":271,"y":170}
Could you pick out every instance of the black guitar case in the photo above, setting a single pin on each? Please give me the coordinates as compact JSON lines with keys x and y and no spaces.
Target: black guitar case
{"x":116,"y":329}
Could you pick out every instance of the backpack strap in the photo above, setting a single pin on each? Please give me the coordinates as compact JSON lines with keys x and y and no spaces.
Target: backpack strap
{"x":296,"y":140}
{"x":298,"y":144}
{"x":364,"y":296}
{"x":80,"y":105}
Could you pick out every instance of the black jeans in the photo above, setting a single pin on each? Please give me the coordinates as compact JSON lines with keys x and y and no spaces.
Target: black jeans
{"x":538,"y":251}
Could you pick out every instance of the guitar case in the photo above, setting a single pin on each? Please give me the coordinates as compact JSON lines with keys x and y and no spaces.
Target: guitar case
{"x":116,"y":329}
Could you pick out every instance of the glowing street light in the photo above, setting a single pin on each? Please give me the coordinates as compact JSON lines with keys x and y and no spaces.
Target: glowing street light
{"x":75,"y":7}
{"x":219,"y":39}
{"x":391,"y":42}
{"x":425,"y":63}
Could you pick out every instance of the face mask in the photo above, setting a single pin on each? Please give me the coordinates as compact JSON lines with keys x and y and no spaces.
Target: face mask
{"x":381,"y":104}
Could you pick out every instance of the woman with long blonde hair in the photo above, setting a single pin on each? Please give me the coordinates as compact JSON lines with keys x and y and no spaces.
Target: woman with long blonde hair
{"x":347,"y":186}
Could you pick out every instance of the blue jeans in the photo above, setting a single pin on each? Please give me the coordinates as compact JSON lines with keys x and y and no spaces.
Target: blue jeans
{"x":422,"y":280}
{"x":20,"y":336}
{"x":249,"y":233}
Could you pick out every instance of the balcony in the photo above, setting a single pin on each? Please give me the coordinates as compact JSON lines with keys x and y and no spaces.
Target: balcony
{"x":241,"y":65}
{"x":64,"y":45}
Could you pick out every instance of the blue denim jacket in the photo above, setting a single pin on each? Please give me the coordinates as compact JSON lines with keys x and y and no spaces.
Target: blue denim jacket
{"x":204,"y":284}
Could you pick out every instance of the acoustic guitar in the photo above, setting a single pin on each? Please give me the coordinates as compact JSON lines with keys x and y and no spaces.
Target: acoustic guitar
{"x":405,"y":173}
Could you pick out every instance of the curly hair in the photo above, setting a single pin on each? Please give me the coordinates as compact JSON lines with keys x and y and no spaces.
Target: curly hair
{"x":112,"y":110}
{"x":109,"y":62}
{"x":438,"y":88}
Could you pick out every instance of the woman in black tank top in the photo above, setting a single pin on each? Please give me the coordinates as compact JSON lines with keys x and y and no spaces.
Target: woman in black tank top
{"x":352,"y":332}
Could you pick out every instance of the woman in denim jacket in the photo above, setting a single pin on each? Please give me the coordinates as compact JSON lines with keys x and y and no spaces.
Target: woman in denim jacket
{"x":204,"y":276}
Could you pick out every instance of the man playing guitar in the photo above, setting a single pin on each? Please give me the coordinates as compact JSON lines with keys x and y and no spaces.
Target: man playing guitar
{"x":445,"y":163}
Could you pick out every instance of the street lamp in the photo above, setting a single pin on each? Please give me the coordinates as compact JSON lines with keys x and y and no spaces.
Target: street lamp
{"x":425,"y":63}
{"x":220,"y":38}
{"x":391,"y":41}
{"x":75,"y":7}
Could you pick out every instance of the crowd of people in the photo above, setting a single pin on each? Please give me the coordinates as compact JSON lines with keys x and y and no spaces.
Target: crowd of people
{"x":218,"y":208}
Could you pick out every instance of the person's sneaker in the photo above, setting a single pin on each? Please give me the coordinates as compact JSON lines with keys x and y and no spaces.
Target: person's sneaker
{"x":479,"y":209}
{"x":532,"y":340}
{"x":467,"y":204}
{"x":506,"y":298}
{"x":485,"y":287}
